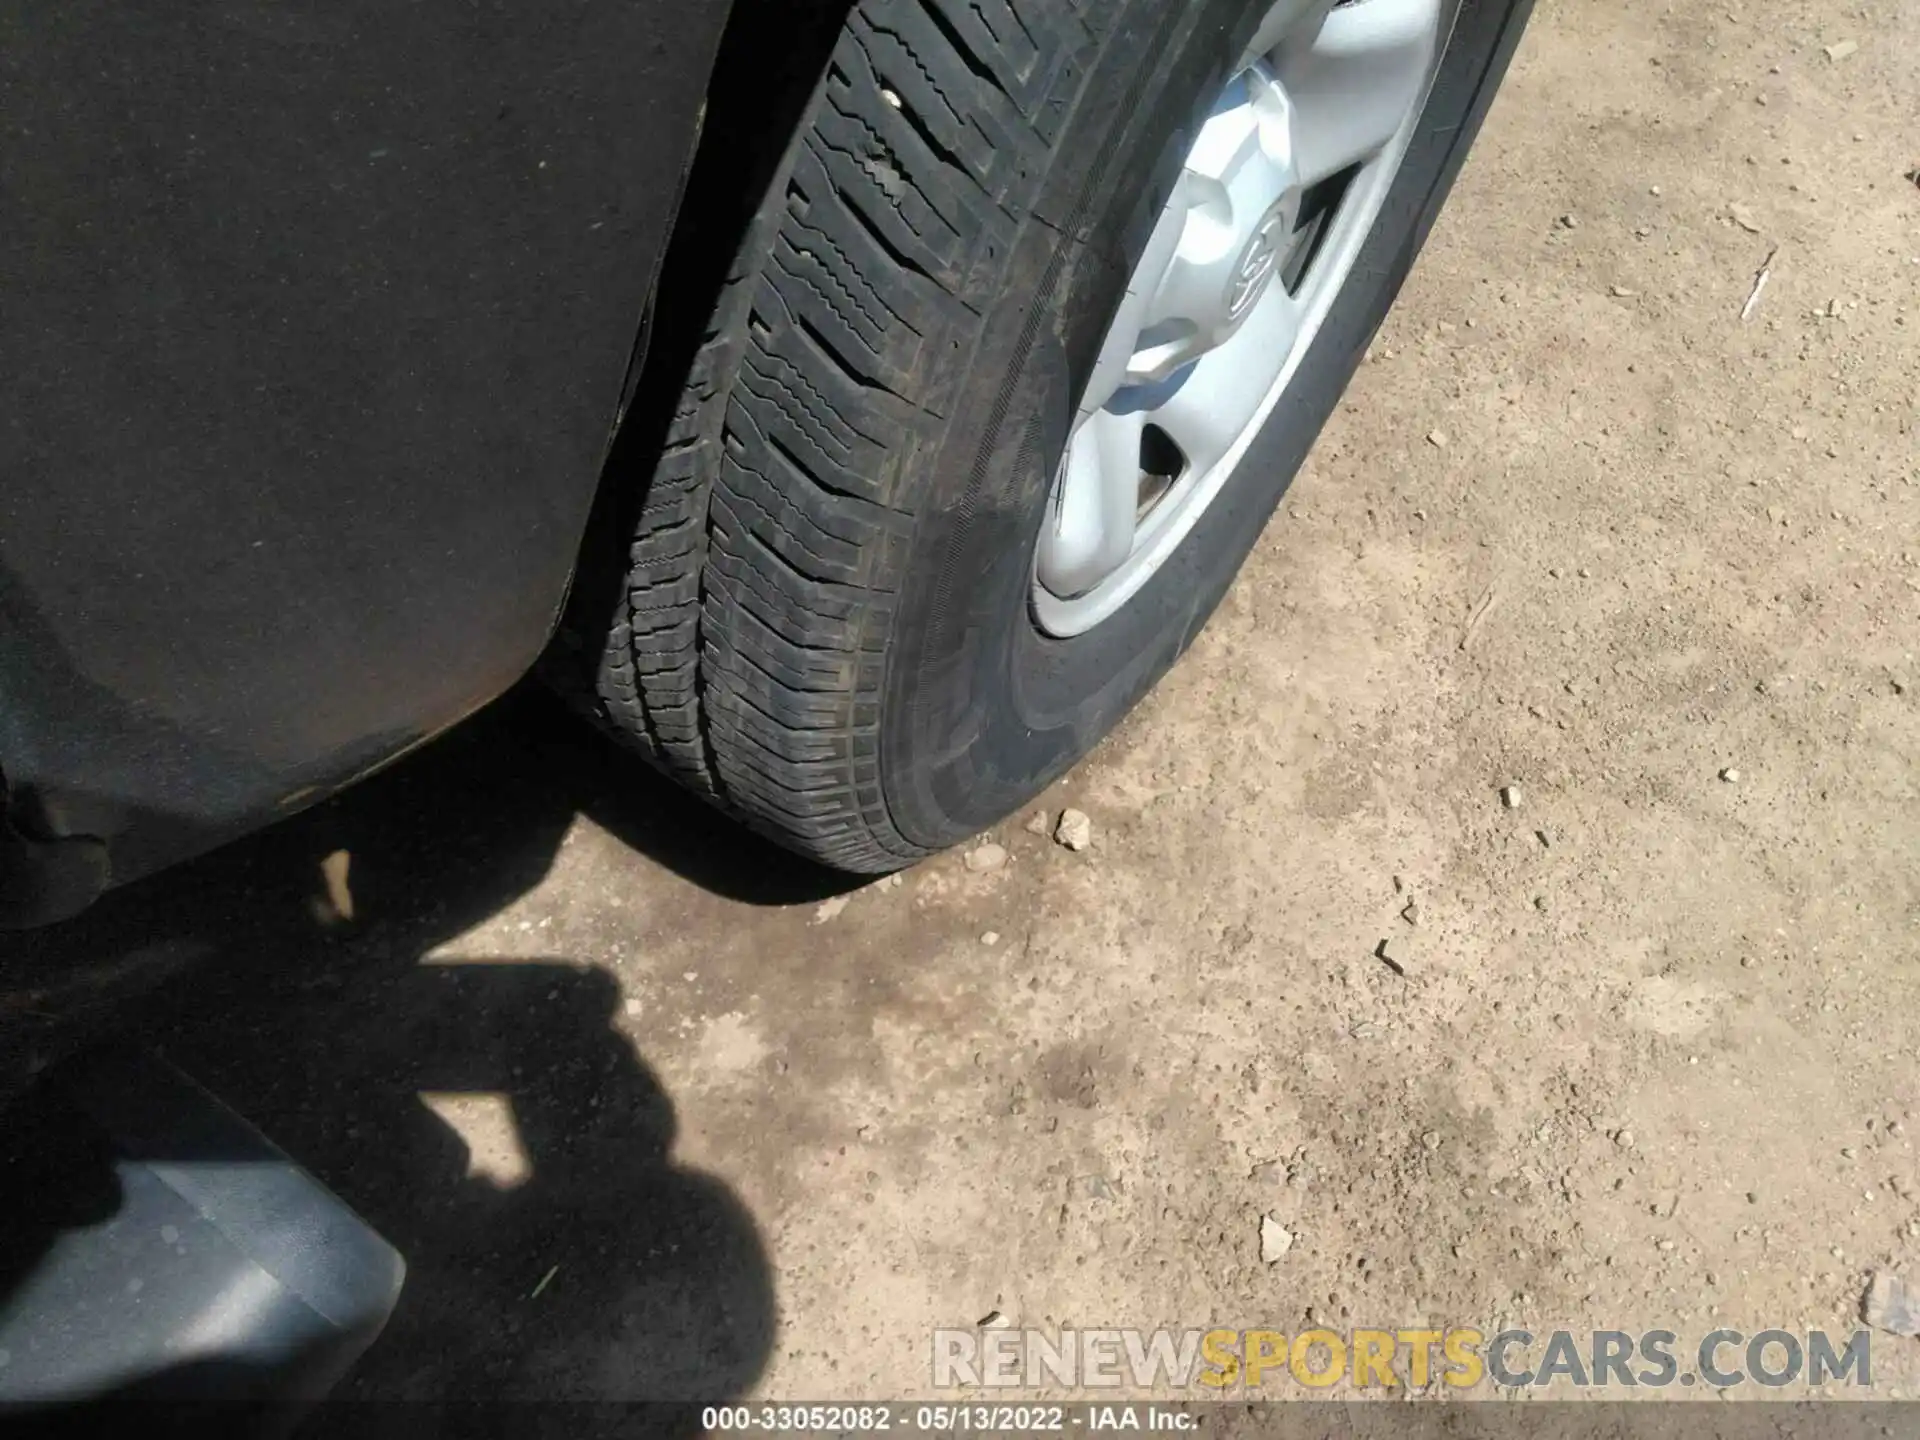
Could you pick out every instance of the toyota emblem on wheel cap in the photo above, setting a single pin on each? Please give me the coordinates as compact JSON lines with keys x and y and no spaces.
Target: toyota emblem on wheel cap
{"x":1257,"y":264}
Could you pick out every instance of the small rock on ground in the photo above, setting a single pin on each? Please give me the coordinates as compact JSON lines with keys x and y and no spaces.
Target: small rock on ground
{"x":1075,"y":830}
{"x":986,"y":858}
{"x":1891,"y":1305}
{"x":1393,"y":954}
{"x":1275,"y":1239}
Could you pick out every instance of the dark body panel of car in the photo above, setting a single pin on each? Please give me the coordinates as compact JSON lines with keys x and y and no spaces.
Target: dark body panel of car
{"x":317,"y":318}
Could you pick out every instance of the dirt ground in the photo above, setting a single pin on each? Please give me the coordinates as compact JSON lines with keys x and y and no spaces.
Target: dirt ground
{"x":1577,"y":530}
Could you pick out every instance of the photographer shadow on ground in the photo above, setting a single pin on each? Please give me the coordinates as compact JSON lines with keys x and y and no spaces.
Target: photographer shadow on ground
{"x":518,"y":1153}
{"x":487,"y":1115}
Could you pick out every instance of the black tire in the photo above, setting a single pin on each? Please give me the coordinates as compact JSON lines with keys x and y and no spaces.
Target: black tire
{"x":823,"y":624}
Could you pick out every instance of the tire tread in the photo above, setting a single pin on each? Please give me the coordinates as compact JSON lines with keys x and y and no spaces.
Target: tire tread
{"x":748,"y":656}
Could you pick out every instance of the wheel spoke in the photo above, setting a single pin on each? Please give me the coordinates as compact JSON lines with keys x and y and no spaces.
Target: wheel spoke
{"x":1134,"y":314}
{"x":1283,"y":20}
{"x":1096,"y":505}
{"x":1207,"y":414}
{"x":1354,"y":83}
